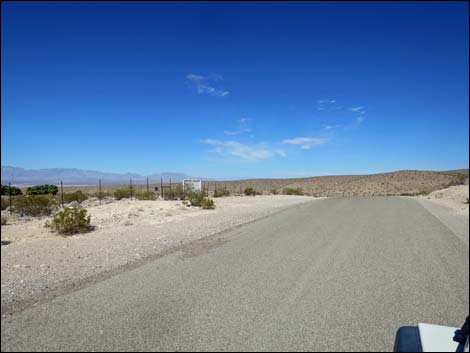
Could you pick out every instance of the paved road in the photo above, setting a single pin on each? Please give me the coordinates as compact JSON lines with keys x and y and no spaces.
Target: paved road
{"x":336,"y":274}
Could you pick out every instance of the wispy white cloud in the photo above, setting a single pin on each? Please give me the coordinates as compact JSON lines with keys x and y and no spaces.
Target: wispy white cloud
{"x":305,"y":143}
{"x":236,"y":132}
{"x":358,"y":110}
{"x":359,"y":120}
{"x":246,"y":152}
{"x":359,"y":117}
{"x":241,"y":129}
{"x":328,"y":105}
{"x":205,"y":84}
{"x":331,"y":127}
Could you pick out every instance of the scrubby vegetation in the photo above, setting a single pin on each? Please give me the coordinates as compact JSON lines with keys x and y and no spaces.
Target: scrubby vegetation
{"x":145,"y":195}
{"x":274,"y":192}
{"x":6,"y":190}
{"x":70,"y":220}
{"x":175,"y":193}
{"x":198,"y":199}
{"x":33,"y":205}
{"x":207,"y":203}
{"x":221,"y":193}
{"x":98,"y":195}
{"x":250,"y":192}
{"x":43,"y":189}
{"x":4,"y":220}
{"x":78,"y":196}
{"x":123,"y":193}
{"x":5,"y":203}
{"x":293,"y":191}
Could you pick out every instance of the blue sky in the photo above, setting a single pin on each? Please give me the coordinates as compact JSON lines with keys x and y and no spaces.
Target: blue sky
{"x":229,"y":90}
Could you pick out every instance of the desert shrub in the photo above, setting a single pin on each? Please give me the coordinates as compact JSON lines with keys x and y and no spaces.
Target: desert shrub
{"x":197,"y":199}
{"x":250,"y":192}
{"x":207,"y":203}
{"x":461,"y":178}
{"x":33,"y":205}
{"x":4,"y":220}
{"x":70,"y":220}
{"x":78,"y":196}
{"x":97,"y":194}
{"x":123,"y":193}
{"x":292,"y":191}
{"x":221,"y":193}
{"x":175,"y":193}
{"x":274,"y":192}
{"x":145,"y":195}
{"x":43,"y":189}
{"x":6,"y":190}
{"x":5,"y":203}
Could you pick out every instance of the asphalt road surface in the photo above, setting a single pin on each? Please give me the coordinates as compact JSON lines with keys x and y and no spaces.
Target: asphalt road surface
{"x":336,"y":274}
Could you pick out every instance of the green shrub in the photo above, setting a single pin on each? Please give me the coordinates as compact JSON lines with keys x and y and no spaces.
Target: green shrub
{"x":5,"y":203}
{"x":175,"y":193}
{"x":13,"y":189}
{"x":250,"y":191}
{"x":97,"y":194}
{"x":145,"y":195}
{"x":4,"y":220}
{"x":78,"y":196}
{"x":33,"y":205}
{"x":123,"y":193}
{"x":197,"y":199}
{"x":43,"y":189}
{"x":292,"y":191}
{"x":207,"y":203}
{"x":221,"y":193}
{"x":70,"y":220}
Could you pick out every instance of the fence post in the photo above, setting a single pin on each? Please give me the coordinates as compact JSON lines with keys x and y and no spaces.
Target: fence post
{"x":148,"y":194}
{"x":170,"y":183}
{"x":131,"y":187}
{"x":161,"y":187}
{"x":99,"y":192}
{"x":62,"y":192}
{"x":9,"y":193}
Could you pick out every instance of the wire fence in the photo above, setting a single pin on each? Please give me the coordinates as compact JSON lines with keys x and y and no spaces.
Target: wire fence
{"x":156,"y":188}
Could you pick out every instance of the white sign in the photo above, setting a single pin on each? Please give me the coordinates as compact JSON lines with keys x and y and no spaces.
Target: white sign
{"x":192,"y":184}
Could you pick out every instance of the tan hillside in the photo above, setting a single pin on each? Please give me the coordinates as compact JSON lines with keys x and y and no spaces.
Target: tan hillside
{"x":393,"y":183}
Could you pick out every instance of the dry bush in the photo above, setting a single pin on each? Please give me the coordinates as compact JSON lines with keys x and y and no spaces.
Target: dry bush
{"x":70,"y":220}
{"x":34,"y":205}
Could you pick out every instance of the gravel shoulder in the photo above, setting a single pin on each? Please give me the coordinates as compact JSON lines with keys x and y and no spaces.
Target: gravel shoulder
{"x":38,"y":265}
{"x":451,"y":208}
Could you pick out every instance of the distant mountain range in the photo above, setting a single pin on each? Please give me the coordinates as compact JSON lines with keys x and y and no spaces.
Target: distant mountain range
{"x":72,"y":176}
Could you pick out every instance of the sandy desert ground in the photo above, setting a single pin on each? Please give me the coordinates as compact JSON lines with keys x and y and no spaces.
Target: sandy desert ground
{"x":454,"y":198}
